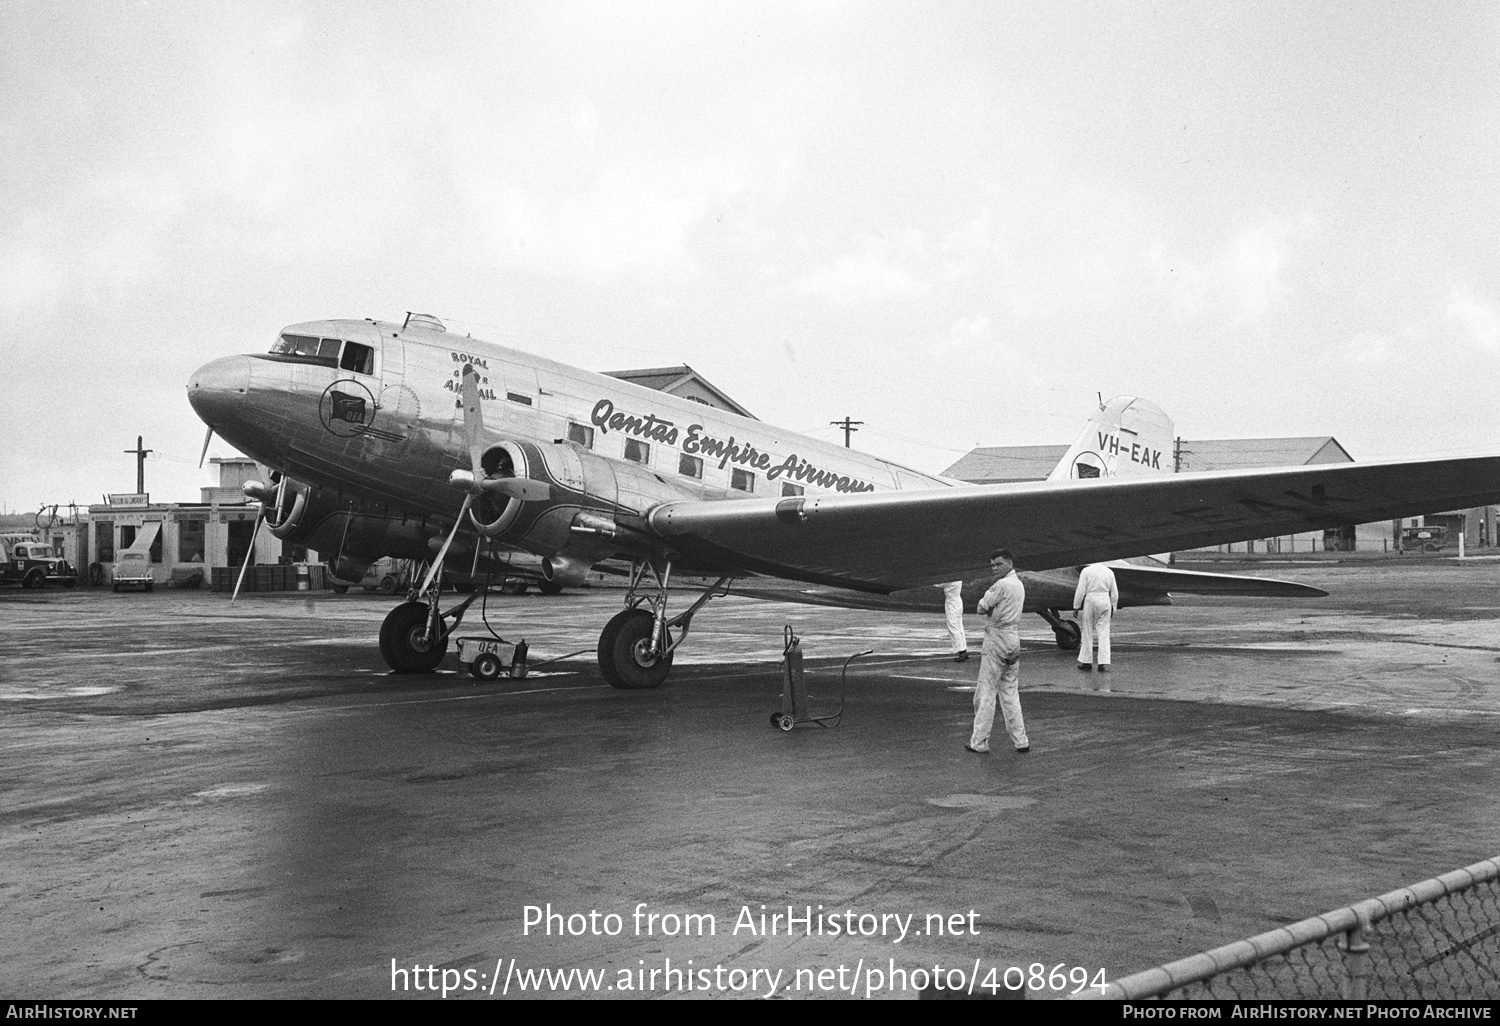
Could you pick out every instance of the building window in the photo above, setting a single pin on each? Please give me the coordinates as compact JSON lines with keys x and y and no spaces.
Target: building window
{"x":190,"y":541}
{"x":156,"y":545}
{"x":791,"y":489}
{"x":357,"y":358}
{"x":742,"y":480}
{"x":581,"y":434}
{"x":690,"y":466}
{"x":104,"y":541}
{"x":637,"y":451}
{"x":127,"y":535}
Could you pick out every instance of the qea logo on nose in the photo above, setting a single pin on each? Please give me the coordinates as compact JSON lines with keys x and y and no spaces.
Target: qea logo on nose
{"x":346,"y":408}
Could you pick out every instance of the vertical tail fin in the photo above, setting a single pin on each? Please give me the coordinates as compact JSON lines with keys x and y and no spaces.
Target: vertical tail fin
{"x":1126,"y":437}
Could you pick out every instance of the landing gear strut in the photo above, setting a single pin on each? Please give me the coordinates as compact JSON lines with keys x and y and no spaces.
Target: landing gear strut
{"x":637,"y":645}
{"x":414,"y":635}
{"x":1067,"y":632}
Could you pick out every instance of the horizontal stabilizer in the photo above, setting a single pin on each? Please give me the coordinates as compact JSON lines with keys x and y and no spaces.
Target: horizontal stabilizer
{"x":1193,"y":582}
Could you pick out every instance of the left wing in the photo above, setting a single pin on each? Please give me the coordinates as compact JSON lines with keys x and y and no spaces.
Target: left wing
{"x":886,"y":541}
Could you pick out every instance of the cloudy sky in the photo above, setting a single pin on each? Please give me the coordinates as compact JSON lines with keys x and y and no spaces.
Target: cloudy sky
{"x":956,"y":222}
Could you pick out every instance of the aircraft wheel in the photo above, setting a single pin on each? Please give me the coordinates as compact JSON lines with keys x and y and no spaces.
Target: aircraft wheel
{"x":486,"y":666}
{"x":782,"y":721}
{"x":550,"y":588}
{"x":513,"y":588}
{"x":402,"y":644}
{"x":340,"y":589}
{"x":623,"y":656}
{"x":1070,"y":638}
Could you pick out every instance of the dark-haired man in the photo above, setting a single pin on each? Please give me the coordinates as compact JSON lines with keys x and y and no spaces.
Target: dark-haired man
{"x":999,"y":677}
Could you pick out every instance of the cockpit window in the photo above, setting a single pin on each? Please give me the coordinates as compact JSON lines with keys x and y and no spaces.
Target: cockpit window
{"x":325,"y":351}
{"x":357,"y":358}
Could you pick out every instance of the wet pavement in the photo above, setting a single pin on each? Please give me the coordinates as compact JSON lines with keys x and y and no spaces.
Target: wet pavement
{"x":199,"y":799}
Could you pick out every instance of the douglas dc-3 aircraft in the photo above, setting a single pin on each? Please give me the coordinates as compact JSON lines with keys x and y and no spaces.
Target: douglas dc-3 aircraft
{"x":405,"y":440}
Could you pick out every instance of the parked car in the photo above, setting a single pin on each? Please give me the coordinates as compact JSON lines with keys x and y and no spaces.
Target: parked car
{"x":133,"y":569}
{"x":387,"y":575}
{"x":31,"y":563}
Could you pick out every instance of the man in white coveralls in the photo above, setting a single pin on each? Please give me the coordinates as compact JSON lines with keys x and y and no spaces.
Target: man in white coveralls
{"x":1097,"y":597}
{"x":999,"y":660}
{"x":953,"y":614}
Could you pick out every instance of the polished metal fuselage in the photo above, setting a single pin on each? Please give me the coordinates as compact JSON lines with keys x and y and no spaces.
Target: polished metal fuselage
{"x":405,"y":435}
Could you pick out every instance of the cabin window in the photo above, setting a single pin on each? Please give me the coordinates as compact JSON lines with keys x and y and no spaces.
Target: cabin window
{"x":637,"y":451}
{"x":516,"y":397}
{"x":582,"y":434}
{"x":791,"y":489}
{"x":742,"y":480}
{"x":357,"y":358}
{"x":296,"y":345}
{"x":689,"y":466}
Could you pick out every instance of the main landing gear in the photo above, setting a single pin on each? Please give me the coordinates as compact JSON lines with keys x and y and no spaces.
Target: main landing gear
{"x":1067,"y":632}
{"x":414,"y":636}
{"x":637,"y":645}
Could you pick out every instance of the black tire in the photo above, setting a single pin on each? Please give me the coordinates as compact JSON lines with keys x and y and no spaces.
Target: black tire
{"x":69,"y":582}
{"x":339,"y":589}
{"x":388,"y":585}
{"x":1070,"y":638}
{"x":400,"y":643}
{"x":117,"y":587}
{"x":513,"y":588}
{"x":782,"y":721}
{"x":96,"y":574}
{"x":36,"y":577}
{"x":486,"y":666}
{"x":150,"y":586}
{"x":550,"y":588}
{"x":622,"y":659}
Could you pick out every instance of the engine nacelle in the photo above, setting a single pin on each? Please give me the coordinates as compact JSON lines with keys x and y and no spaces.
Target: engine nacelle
{"x":579,"y":480}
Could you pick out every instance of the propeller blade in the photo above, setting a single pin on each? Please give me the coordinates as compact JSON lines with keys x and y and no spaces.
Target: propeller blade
{"x":206,"y":439}
{"x":438,"y":560}
{"x":473,"y":419}
{"x":524,"y":488}
{"x":254,"y":534}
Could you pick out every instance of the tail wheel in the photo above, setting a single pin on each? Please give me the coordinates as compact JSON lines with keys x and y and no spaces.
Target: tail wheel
{"x":624,"y":652}
{"x":1070,"y":637}
{"x":403,"y":641}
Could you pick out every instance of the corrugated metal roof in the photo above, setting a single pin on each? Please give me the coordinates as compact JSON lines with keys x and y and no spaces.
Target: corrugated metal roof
{"x":1007,"y":463}
{"x":1002,"y":464}
{"x":672,"y":381}
{"x":1255,"y":453}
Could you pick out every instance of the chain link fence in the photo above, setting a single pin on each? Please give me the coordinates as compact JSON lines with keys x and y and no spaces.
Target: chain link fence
{"x":1439,"y":939}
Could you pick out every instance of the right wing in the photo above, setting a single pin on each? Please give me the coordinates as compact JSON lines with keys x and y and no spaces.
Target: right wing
{"x":887,"y":541}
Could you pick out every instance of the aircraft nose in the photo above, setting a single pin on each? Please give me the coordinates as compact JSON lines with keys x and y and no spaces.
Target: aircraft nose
{"x":218,"y":387}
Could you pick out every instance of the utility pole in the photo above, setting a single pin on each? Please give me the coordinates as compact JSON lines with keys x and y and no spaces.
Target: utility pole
{"x":140,"y":465}
{"x":1178,"y":452}
{"x":849,"y":427}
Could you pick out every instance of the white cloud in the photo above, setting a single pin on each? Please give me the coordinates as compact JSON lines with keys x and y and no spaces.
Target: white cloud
{"x":1479,"y":320}
{"x":1369,"y":350}
{"x":895,"y":266}
{"x":1241,"y":283}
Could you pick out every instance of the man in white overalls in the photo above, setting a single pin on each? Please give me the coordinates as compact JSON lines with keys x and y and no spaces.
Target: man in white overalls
{"x":999,"y":660}
{"x":1097,"y":597}
{"x":953,"y":615}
